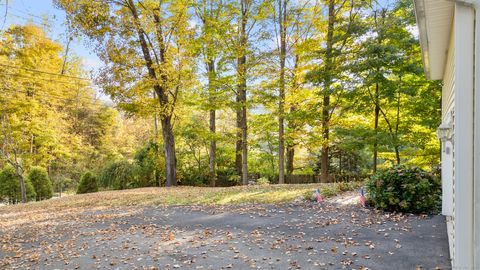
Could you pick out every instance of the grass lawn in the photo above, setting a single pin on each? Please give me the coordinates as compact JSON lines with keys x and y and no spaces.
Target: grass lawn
{"x":184,"y":195}
{"x":69,"y":206}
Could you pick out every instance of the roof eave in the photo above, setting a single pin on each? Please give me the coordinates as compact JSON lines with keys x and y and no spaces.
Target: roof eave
{"x":423,"y":35}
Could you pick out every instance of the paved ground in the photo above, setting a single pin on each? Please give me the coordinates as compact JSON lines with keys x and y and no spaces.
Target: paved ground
{"x":290,"y":236}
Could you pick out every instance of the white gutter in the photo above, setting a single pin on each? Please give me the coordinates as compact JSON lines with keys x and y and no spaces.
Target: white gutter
{"x":424,"y":42}
{"x":474,"y":3}
{"x":476,"y":137}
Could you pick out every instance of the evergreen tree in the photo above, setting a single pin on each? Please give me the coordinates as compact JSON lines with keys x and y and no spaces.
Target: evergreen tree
{"x":88,"y":184}
{"x":38,"y":176}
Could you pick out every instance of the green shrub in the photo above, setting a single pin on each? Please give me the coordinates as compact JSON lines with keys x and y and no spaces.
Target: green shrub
{"x":150,"y":167}
{"x":227,"y":178}
{"x":88,"y":184}
{"x":403,"y":189}
{"x":10,"y":186}
{"x":263,"y":181}
{"x":121,"y":175}
{"x":31,"y":195}
{"x":41,"y":183}
{"x":194,"y":177}
{"x":61,"y":183}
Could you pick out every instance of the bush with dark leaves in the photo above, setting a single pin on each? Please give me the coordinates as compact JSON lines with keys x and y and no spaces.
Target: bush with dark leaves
{"x":403,"y":189}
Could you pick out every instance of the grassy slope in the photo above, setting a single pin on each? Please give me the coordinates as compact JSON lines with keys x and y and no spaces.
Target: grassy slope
{"x":186,"y":195}
{"x":30,"y":212}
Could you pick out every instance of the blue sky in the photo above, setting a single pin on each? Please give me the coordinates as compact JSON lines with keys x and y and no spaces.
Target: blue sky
{"x":37,"y":11}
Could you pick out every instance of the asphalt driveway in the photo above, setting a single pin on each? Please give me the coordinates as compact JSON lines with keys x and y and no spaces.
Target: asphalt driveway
{"x":299,"y":235}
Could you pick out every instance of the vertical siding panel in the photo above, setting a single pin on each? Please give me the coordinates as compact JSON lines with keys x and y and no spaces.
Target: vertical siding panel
{"x":448,"y":193}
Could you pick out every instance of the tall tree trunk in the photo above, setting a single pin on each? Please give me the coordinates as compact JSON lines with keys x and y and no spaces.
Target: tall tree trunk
{"x":32,"y":141}
{"x":325,"y":161}
{"x":238,"y":143}
{"x":65,"y":58}
{"x":213,"y":150}
{"x":244,"y":138}
{"x":169,"y":151}
{"x":292,"y":125}
{"x":290,"y":157}
{"x":282,"y":17}
{"x":397,"y":124}
{"x":208,"y":18}
{"x":242,"y":93}
{"x":212,"y":123}
{"x":156,"y":175}
{"x":377,"y":115}
{"x":377,"y":100}
{"x":23,"y":189}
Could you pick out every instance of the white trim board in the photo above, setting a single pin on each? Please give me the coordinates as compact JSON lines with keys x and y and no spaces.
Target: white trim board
{"x":464,"y":139}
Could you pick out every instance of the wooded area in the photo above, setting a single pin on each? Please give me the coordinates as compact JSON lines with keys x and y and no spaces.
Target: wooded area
{"x":214,"y":92}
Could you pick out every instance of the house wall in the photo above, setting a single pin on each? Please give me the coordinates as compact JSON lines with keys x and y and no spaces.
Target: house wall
{"x":463,"y":204}
{"x":448,"y":98}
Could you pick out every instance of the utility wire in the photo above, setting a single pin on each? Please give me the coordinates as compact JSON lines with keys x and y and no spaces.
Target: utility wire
{"x":29,"y":19}
{"x":47,"y":95}
{"x":44,"y":79}
{"x":25,"y":12}
{"x":86,"y":100}
{"x":45,"y":72}
{"x":5,"y":15}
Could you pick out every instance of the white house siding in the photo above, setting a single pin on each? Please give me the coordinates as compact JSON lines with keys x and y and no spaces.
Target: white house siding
{"x":448,"y":100}
{"x":464,"y":136}
{"x":447,"y":148}
{"x":449,"y":79}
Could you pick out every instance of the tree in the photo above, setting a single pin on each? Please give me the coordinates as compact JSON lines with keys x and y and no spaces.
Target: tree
{"x":214,"y":21}
{"x":254,"y":87}
{"x":282,"y":25}
{"x":341,"y":26}
{"x":149,"y":164}
{"x":250,"y":12}
{"x":50,"y":116}
{"x":122,"y":175}
{"x":41,"y":183}
{"x":155,"y":45}
{"x":88,"y":184}
{"x":10,"y":189}
{"x":293,"y":23}
{"x":241,"y":159}
{"x":390,"y":68}
{"x":10,"y":152}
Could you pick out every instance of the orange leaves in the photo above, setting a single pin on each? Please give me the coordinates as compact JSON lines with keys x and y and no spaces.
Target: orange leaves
{"x":168,"y":236}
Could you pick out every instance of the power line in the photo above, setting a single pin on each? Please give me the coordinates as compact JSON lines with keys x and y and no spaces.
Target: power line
{"x":5,"y":16}
{"x":26,"y":13}
{"x":90,"y":102}
{"x":55,"y":96}
{"x":45,"y":72}
{"x":39,"y":78}
{"x":29,"y":19}
{"x":49,"y":95}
